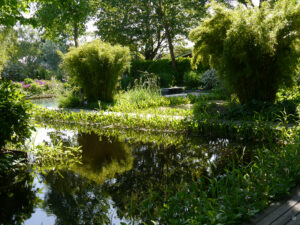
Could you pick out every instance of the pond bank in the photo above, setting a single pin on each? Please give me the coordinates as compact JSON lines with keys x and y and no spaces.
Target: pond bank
{"x":246,"y":130}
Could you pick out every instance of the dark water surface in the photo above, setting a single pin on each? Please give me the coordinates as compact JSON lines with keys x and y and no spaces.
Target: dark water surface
{"x":119,"y":174}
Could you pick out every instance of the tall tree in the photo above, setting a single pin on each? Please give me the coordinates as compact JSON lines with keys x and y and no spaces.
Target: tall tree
{"x":64,"y":18}
{"x":132,"y":23}
{"x":146,"y":25}
{"x":177,"y":17}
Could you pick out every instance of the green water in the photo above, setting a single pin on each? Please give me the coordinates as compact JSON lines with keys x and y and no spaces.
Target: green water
{"x":120,"y":172}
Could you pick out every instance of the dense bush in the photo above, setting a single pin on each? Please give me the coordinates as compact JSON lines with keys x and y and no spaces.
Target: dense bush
{"x":138,"y":66}
{"x":210,"y":79}
{"x":14,"y":116}
{"x":162,"y":67}
{"x":192,"y":79}
{"x":255,"y":49}
{"x":96,"y":67}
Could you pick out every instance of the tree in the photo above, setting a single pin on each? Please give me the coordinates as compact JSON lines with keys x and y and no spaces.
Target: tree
{"x":255,"y":49}
{"x":147,"y":25}
{"x":177,"y":17}
{"x":11,"y":12}
{"x":131,"y":23}
{"x":64,"y":18}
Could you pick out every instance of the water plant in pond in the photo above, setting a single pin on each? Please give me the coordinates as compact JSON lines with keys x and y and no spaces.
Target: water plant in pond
{"x":47,"y":158}
{"x":239,"y":193}
{"x":210,"y":126}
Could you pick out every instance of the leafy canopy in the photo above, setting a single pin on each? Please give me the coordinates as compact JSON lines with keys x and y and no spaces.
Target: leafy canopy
{"x":63,"y":19}
{"x":256,"y":49}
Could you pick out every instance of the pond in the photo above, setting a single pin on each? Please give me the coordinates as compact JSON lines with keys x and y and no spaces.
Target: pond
{"x":49,"y":103}
{"x":122,"y":176}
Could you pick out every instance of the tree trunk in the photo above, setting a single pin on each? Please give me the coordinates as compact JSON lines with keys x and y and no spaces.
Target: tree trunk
{"x":76,"y":35}
{"x":162,"y":16}
{"x":171,"y":48}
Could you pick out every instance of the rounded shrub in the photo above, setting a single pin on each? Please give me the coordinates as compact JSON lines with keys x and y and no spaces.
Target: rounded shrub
{"x":96,"y":67}
{"x":36,"y":89}
{"x":210,"y":79}
{"x":256,"y":49}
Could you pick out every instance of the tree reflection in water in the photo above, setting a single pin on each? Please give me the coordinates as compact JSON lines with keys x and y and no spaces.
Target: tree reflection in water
{"x":75,"y":196}
{"x":137,"y":177}
{"x":18,"y":196}
{"x":75,"y":200}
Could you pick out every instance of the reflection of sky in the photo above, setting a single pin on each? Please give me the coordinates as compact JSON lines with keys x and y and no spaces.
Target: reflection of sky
{"x":40,"y":216}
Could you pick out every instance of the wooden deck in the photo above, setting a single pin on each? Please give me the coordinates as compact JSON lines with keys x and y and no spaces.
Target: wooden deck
{"x":282,"y":213}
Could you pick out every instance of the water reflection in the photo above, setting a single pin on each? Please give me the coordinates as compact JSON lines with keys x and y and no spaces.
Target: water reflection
{"x":103,"y":157}
{"x":75,"y":200}
{"x":120,"y":175}
{"x":18,"y":196}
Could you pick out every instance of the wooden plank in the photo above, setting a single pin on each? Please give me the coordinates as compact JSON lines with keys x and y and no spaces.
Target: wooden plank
{"x":295,"y":220}
{"x":276,"y":210}
{"x":288,"y":216}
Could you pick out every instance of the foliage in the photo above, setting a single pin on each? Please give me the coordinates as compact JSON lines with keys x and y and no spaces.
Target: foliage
{"x":70,"y":99}
{"x":256,"y":50}
{"x":63,"y":19}
{"x":284,"y":110}
{"x":144,"y":26}
{"x":96,"y":67}
{"x":11,"y":12}
{"x":7,"y":39}
{"x":192,"y":80}
{"x":33,"y":57}
{"x":134,"y":24}
{"x":161,"y":67}
{"x":39,"y":88}
{"x":54,"y":157}
{"x":209,"y":79}
{"x":239,"y":193}
{"x":14,"y":115}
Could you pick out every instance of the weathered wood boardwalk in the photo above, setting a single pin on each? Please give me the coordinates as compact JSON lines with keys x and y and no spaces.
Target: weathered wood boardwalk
{"x":282,"y":213}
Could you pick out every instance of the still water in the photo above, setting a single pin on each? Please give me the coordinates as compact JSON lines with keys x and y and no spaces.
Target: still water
{"x":49,"y":103}
{"x":122,"y":177}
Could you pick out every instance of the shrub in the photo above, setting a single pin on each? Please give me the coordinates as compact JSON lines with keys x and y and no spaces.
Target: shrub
{"x":166,"y":79}
{"x":36,"y":89}
{"x":192,"y":80}
{"x":70,"y":99}
{"x":255,"y":49}
{"x":14,"y":116}
{"x":183,"y":67}
{"x":139,"y":66}
{"x":96,"y":67}
{"x":28,"y":81}
{"x":209,"y":79}
{"x":162,"y":67}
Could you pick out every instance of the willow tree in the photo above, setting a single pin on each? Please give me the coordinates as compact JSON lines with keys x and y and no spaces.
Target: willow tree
{"x":255,"y":49}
